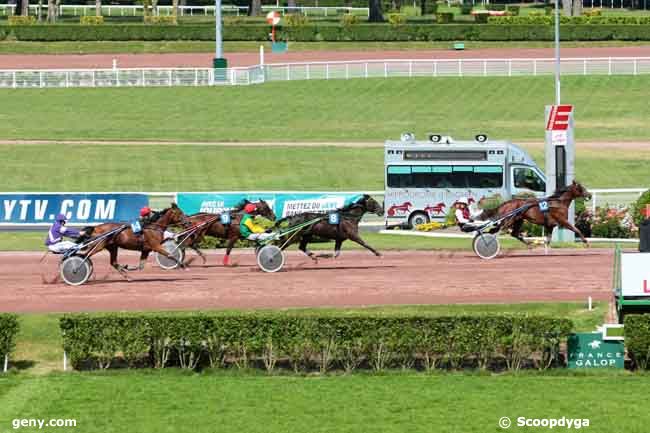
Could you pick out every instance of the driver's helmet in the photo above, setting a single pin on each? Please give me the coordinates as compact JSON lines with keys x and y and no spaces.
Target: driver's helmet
{"x":61,"y":218}
{"x":249,"y":208}
{"x":145,"y":211}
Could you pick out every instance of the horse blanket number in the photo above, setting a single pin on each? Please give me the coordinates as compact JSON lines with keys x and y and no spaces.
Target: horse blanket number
{"x":136,"y":227}
{"x":334,"y":218}
{"x":225,"y":218}
{"x":543,"y":206}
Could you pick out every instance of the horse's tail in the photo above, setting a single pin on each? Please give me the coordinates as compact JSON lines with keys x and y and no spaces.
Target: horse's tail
{"x":88,"y":233}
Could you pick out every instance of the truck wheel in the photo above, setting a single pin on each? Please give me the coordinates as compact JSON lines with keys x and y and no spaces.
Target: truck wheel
{"x":418,"y":218}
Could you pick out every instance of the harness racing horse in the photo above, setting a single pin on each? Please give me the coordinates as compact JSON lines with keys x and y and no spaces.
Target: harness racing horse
{"x":347,"y":228}
{"x":151,"y":239}
{"x":557,"y":214}
{"x":232,"y":233}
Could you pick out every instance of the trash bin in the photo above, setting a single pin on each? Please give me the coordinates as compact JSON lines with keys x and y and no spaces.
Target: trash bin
{"x":644,"y":236}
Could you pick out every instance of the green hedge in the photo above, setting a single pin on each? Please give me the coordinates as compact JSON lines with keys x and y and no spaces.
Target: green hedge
{"x":8,"y":331}
{"x":313,"y":342}
{"x":312,"y":33}
{"x":637,"y":339}
{"x":590,"y":20}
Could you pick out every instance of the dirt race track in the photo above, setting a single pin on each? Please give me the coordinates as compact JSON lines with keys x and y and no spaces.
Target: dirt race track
{"x":355,"y":279}
{"x":202,"y":60}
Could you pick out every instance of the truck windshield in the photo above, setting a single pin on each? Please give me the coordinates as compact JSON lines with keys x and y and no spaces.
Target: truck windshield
{"x":527,"y":178}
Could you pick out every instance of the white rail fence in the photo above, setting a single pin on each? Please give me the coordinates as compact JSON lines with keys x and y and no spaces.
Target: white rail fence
{"x":137,"y":10}
{"x":144,"y":77}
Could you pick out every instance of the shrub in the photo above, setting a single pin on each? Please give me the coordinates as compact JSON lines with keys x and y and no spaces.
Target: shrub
{"x":157,"y":20}
{"x":613,"y":223}
{"x":497,"y":7}
{"x":444,"y":17}
{"x":410,"y":11}
{"x":640,"y":207}
{"x":349,"y":20}
{"x":91,"y":21}
{"x":396,"y":19}
{"x":431,"y":7}
{"x":637,"y":339}
{"x":466,"y":8}
{"x":296,"y":20}
{"x":310,"y":33}
{"x":308,"y":342}
{"x":20,"y":20}
{"x":592,"y":12}
{"x":8,"y":330}
{"x":481,"y":17}
{"x":513,"y":9}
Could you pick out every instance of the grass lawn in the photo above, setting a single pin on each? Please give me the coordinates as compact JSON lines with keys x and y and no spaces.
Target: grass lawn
{"x":211,"y":168}
{"x":33,"y":241}
{"x":172,"y":401}
{"x":115,"y":47}
{"x":613,"y":108}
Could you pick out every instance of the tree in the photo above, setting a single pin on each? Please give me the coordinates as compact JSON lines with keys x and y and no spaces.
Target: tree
{"x":24,"y":7}
{"x":254,"y":8}
{"x":51,"y":11}
{"x":175,"y":9}
{"x":98,"y":8}
{"x":375,"y":14}
{"x":572,"y":8}
{"x":291,"y":4}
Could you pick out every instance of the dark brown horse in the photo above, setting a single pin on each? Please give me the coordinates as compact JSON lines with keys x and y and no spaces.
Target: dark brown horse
{"x":149,"y":240}
{"x":347,"y":228}
{"x":556,"y":216}
{"x":262,"y":209}
{"x":209,"y":224}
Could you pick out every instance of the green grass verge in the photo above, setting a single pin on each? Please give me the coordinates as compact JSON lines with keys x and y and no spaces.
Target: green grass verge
{"x":171,"y":401}
{"x":33,"y":241}
{"x":116,"y":47}
{"x":608,"y":107}
{"x":210,"y":168}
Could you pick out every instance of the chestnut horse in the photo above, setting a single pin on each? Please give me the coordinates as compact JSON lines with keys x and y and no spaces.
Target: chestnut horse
{"x":151,"y":238}
{"x":347,"y":228}
{"x":556,"y":216}
{"x":214,"y":227}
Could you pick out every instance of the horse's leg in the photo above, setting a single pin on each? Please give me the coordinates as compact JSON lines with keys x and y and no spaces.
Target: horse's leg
{"x":229,"y":247}
{"x":304,"y":241}
{"x":143,"y":259}
{"x":516,"y":232}
{"x":353,"y":236}
{"x":198,"y":252}
{"x":567,"y":225}
{"x":337,"y":247}
{"x":549,"y":235}
{"x":112,"y":250}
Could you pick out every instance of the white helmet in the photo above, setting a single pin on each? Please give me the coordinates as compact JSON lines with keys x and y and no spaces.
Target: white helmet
{"x":463,"y":200}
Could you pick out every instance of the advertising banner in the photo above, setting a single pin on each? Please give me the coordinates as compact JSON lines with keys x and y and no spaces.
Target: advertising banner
{"x":283,"y":204}
{"x":80,"y":208}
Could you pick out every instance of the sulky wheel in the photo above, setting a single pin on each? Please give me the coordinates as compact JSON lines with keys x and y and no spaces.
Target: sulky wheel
{"x":270,"y":258}
{"x":75,"y":270}
{"x":172,"y":248}
{"x":486,"y":246}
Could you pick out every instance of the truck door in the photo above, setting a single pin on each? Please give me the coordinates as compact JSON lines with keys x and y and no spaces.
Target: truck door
{"x":527,"y":180}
